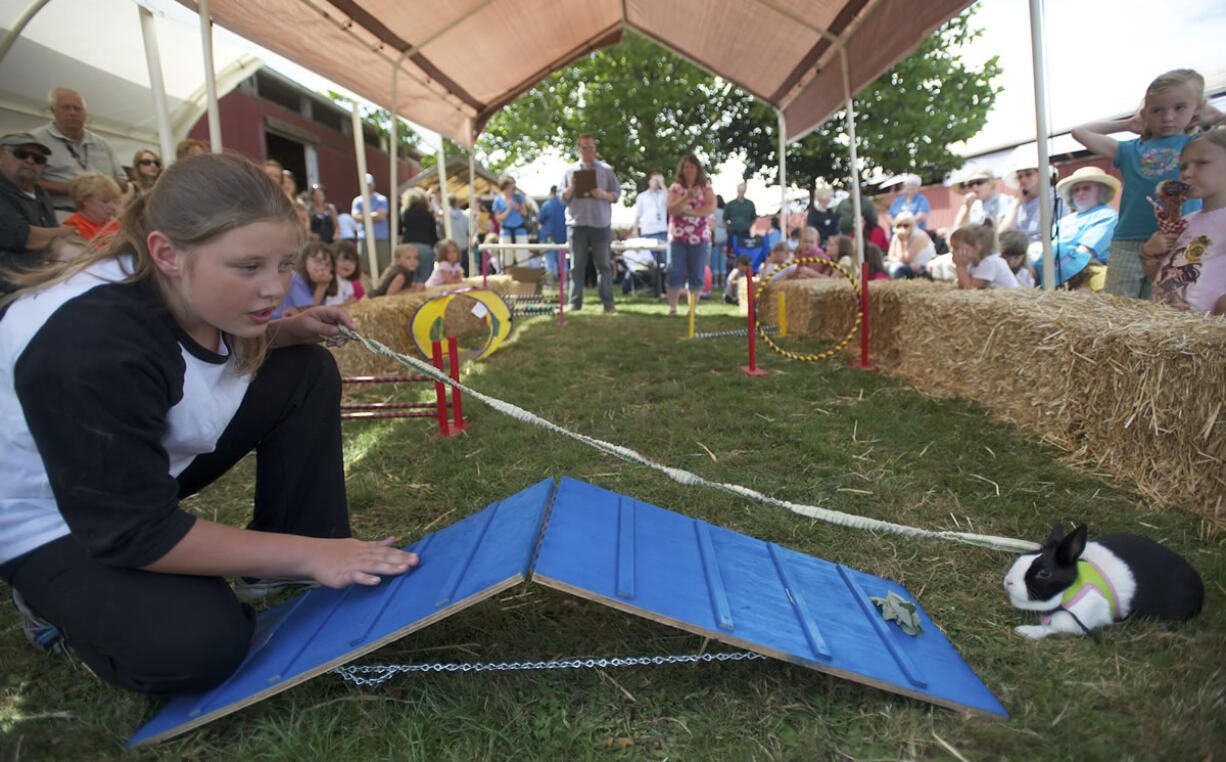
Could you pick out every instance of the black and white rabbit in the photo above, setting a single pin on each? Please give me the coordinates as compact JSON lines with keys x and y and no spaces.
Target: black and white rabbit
{"x":1078,"y":586}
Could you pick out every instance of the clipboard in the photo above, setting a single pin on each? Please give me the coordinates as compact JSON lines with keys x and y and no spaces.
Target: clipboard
{"x":585,"y":182}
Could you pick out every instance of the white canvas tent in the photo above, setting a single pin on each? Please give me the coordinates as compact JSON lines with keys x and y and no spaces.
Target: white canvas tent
{"x":96,"y":49}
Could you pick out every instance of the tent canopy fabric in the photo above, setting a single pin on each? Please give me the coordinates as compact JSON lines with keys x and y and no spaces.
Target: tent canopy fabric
{"x":458,"y":63}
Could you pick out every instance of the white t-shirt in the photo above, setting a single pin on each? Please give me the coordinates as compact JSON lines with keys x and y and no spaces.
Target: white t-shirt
{"x":344,"y":291}
{"x":995,"y":270}
{"x":651,"y":209}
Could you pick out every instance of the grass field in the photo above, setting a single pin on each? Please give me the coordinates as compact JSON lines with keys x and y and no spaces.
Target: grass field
{"x":817,"y":433}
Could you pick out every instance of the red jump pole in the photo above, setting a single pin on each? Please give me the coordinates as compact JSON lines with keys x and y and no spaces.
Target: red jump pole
{"x":863,"y":362}
{"x":458,"y":424}
{"x":485,"y":268}
{"x":440,"y":393}
{"x":752,"y":369}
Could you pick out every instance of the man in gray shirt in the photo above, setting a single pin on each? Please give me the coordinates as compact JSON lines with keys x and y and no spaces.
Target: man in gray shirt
{"x":74,"y":150}
{"x":588,"y":221}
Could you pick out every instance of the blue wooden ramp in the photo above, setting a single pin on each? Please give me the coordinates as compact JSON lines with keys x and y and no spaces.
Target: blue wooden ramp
{"x":748,"y":593}
{"x":621,"y":552}
{"x":467,"y":562}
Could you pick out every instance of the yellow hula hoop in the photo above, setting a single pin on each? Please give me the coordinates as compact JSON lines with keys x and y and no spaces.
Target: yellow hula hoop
{"x":855,"y":287}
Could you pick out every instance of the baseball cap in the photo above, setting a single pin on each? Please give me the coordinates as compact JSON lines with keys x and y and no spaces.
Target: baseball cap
{"x":24,"y":139}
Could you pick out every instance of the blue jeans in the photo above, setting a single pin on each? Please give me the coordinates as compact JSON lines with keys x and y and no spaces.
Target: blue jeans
{"x":687,"y":262}
{"x":588,"y":242}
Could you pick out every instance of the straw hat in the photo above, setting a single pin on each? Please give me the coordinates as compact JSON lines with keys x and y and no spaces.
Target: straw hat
{"x":1088,"y":175}
{"x":974,"y":173}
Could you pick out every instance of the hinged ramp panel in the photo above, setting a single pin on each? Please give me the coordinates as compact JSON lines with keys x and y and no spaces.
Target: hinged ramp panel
{"x":748,"y":593}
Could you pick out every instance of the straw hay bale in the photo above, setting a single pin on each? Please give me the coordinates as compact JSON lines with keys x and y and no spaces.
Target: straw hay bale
{"x":389,"y":319}
{"x":1126,"y":387}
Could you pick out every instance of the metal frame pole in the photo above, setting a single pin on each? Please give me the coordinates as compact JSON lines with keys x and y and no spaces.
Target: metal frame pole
{"x":359,"y":150}
{"x":857,"y":224}
{"x":153,"y":60}
{"x":783,"y":176}
{"x":1041,"y":132}
{"x":210,"y":80}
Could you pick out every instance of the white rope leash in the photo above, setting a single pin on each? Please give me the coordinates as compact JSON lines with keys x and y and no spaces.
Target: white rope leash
{"x":681,"y":476}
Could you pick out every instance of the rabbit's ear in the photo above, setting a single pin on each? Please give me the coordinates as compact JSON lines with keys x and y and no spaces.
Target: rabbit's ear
{"x":1057,"y":534}
{"x":1071,"y":547}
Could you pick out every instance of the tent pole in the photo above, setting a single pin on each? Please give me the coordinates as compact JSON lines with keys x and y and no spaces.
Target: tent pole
{"x":473,"y":215}
{"x":442,"y":186}
{"x":19,"y":25}
{"x":154,"y":61}
{"x":857,"y":223}
{"x":210,"y":80}
{"x":359,"y":151}
{"x":783,"y":176}
{"x":1038,"y":56}
{"x":393,"y":191}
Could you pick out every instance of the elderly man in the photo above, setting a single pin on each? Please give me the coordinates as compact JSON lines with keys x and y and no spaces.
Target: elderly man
{"x":74,"y":150}
{"x":910,"y":201}
{"x":379,"y":224}
{"x":589,"y":215}
{"x":651,"y":218}
{"x":27,"y":220}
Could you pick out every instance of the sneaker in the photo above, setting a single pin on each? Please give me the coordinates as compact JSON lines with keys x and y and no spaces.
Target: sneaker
{"x":249,"y":589}
{"x":42,"y":634}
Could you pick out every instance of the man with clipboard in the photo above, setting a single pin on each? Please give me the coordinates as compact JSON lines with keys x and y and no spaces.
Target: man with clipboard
{"x":590,"y":190}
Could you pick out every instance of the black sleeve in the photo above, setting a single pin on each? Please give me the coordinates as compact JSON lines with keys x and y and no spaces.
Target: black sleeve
{"x":96,"y":387}
{"x":14,"y":228}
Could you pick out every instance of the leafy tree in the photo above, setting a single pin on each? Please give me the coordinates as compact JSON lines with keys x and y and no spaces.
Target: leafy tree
{"x":645,"y":106}
{"x":905,"y":120}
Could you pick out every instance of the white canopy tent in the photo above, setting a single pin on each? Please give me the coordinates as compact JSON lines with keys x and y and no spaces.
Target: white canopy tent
{"x":96,"y":49}
{"x":450,"y":67}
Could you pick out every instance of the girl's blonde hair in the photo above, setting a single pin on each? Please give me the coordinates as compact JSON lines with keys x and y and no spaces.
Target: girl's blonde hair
{"x":1216,"y":136}
{"x":781,"y":246}
{"x":1176,"y":78}
{"x":982,"y":237}
{"x":196,"y":200}
{"x":89,"y":184}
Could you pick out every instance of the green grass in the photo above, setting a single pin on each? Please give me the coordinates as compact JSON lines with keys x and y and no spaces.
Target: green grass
{"x":817,"y":433}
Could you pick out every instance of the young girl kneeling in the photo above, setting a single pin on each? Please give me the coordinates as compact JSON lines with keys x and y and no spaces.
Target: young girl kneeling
{"x":135,"y":376}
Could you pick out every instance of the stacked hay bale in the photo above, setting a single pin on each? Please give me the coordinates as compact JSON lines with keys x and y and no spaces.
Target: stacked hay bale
{"x":389,"y":320}
{"x":1128,"y":388}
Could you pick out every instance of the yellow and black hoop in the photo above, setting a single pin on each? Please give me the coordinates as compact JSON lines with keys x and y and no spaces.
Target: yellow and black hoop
{"x":855,"y":326}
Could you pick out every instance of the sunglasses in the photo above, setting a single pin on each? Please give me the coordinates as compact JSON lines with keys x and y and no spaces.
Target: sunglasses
{"x":147,"y":162}
{"x":587,"y":145}
{"x":903,"y":225}
{"x":21,"y":154}
{"x":973,"y":183}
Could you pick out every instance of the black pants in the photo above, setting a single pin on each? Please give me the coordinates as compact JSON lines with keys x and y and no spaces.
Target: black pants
{"x":171,"y":633}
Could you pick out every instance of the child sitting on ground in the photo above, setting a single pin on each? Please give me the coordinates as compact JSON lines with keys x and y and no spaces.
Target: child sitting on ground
{"x":399,"y":277}
{"x":349,"y":271}
{"x":978,"y":263}
{"x":739,"y":270}
{"x":313,"y":279}
{"x":1014,"y":245}
{"x":876,"y":262}
{"x":1189,"y":268}
{"x":447,"y":268}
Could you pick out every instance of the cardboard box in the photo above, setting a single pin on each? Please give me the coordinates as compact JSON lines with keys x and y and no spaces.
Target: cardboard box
{"x":526,"y":281}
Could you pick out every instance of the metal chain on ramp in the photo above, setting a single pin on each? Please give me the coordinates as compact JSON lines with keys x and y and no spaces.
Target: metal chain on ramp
{"x":376,"y":674}
{"x":994,"y":542}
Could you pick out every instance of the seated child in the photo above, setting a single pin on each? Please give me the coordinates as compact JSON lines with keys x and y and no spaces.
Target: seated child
{"x":313,"y":279}
{"x":876,"y":262}
{"x":1014,"y":248}
{"x":447,"y":267}
{"x":398,"y":278}
{"x":740,"y":268}
{"x":978,"y":263}
{"x":1189,"y":269}
{"x":348,"y":271}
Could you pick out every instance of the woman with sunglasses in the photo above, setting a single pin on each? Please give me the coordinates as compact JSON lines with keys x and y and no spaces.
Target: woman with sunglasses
{"x":910,"y":249}
{"x":146,"y":166}
{"x":980,"y":201}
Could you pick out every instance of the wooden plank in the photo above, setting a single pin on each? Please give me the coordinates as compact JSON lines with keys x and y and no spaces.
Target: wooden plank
{"x":462,"y":564}
{"x":671,"y":588}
